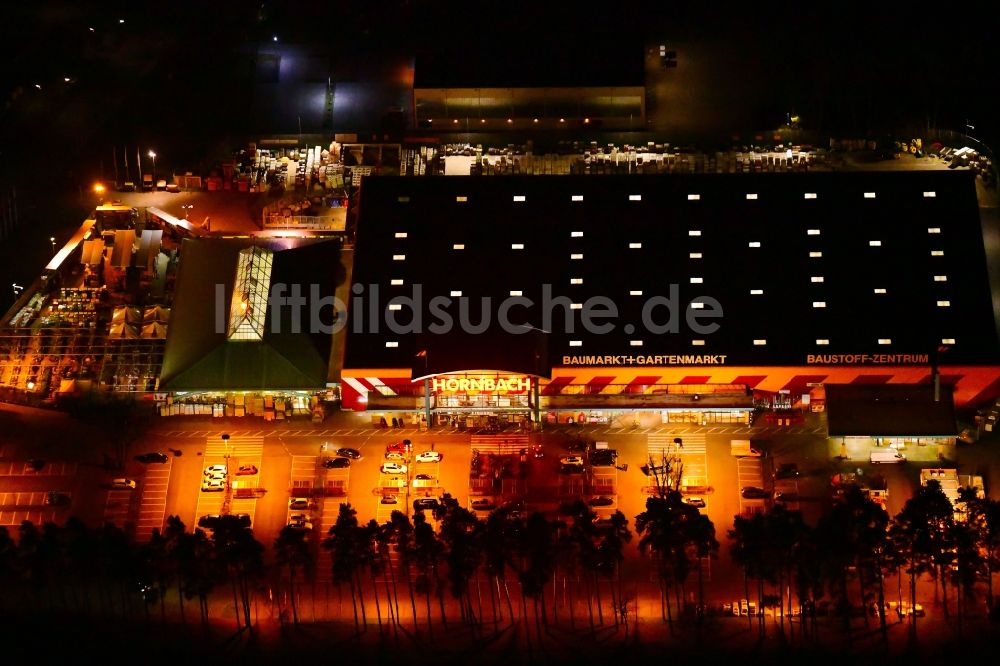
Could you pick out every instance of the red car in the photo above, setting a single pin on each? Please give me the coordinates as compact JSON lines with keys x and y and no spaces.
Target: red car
{"x":399,"y":447}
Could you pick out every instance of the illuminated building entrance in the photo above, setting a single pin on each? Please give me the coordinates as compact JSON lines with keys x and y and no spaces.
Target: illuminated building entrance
{"x":492,"y":400}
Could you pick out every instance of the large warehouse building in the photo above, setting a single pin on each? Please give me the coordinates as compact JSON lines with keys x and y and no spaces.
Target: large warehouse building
{"x":689,"y":298}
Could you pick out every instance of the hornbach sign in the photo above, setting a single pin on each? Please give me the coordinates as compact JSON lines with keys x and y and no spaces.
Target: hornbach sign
{"x":481,"y":384}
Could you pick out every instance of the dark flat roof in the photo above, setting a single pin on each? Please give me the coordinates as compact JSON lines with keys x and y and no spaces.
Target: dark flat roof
{"x":888,"y":410}
{"x":499,"y":65}
{"x":198,"y":357}
{"x":895,"y":259}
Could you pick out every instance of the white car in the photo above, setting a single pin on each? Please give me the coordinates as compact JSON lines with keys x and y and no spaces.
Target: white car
{"x":123,"y":484}
{"x":394,"y":456}
{"x":393,"y":468}
{"x":213,"y":485}
{"x":216,"y":471}
{"x":429,"y":456}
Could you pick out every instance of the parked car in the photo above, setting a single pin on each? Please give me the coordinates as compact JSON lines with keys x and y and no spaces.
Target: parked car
{"x":246,"y":470}
{"x":299,"y":518}
{"x":301,"y":525}
{"x":152,"y":457}
{"x":571,"y":460}
{"x":336,"y":463}
{"x":425,"y":503}
{"x":424,"y":477}
{"x":210,"y":521}
{"x":429,"y":456}
{"x":695,"y":501}
{"x":55,"y":498}
{"x":216,"y":471}
{"x":751,"y":492}
{"x":354,"y":454}
{"x":787,"y":471}
{"x":397,"y":447}
{"x":210,"y":485}
{"x":299,"y":503}
{"x":482,"y":504}
{"x":786,"y":496}
{"x":393,"y":468}
{"x":389,"y":499}
{"x":123,"y":484}
{"x":601,"y":501}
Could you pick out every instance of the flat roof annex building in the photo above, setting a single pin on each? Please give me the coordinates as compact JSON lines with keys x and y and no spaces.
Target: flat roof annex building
{"x":689,"y":297}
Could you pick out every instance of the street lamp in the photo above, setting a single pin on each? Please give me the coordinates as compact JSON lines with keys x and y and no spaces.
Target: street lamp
{"x":52,"y":239}
{"x":187,"y":209}
{"x":225,"y":442}
{"x":17,"y":289}
{"x":152,"y":156}
{"x":99,"y":191}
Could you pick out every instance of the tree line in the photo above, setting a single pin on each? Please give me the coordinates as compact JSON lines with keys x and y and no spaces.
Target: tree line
{"x":531,"y":572}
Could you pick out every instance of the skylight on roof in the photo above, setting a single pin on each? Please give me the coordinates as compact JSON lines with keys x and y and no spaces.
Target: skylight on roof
{"x":930,"y":195}
{"x":635,"y":197}
{"x":516,"y":292}
{"x":815,"y":255}
{"x":696,"y":280}
{"x":885,"y":341}
{"x":461,"y":199}
{"x":698,"y":343}
{"x":880,"y":290}
{"x":875,"y":243}
{"x":822,"y":341}
{"x":812,"y":232}
{"x":635,"y":292}
{"x":869,"y":195}
{"x":760,"y":342}
{"x":518,"y":197}
{"x":400,"y":234}
{"x":754,"y":243}
{"x":517,"y":246}
{"x":576,"y":280}
{"x":576,"y":256}
{"x":248,"y":308}
{"x":576,"y":234}
{"x":399,"y":257}
{"x":751,"y":197}
{"x":940,"y":278}
{"x":396,"y":282}
{"x":403,"y":199}
{"x":635,"y":246}
{"x":576,"y":197}
{"x":937,"y":253}
{"x":947,"y":341}
{"x":944,"y":304}
{"x":694,"y":255}
{"x":456,"y":293}
{"x":458,"y":246}
{"x":635,"y":343}
{"x":756,"y":292}
{"x":694,"y":232}
{"x":576,"y":343}
{"x":810,"y":195}
{"x":816,"y":278}
{"x":819,"y":304}
{"x":694,"y":197}
{"x":933,"y":230}
{"x":391,"y":344}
